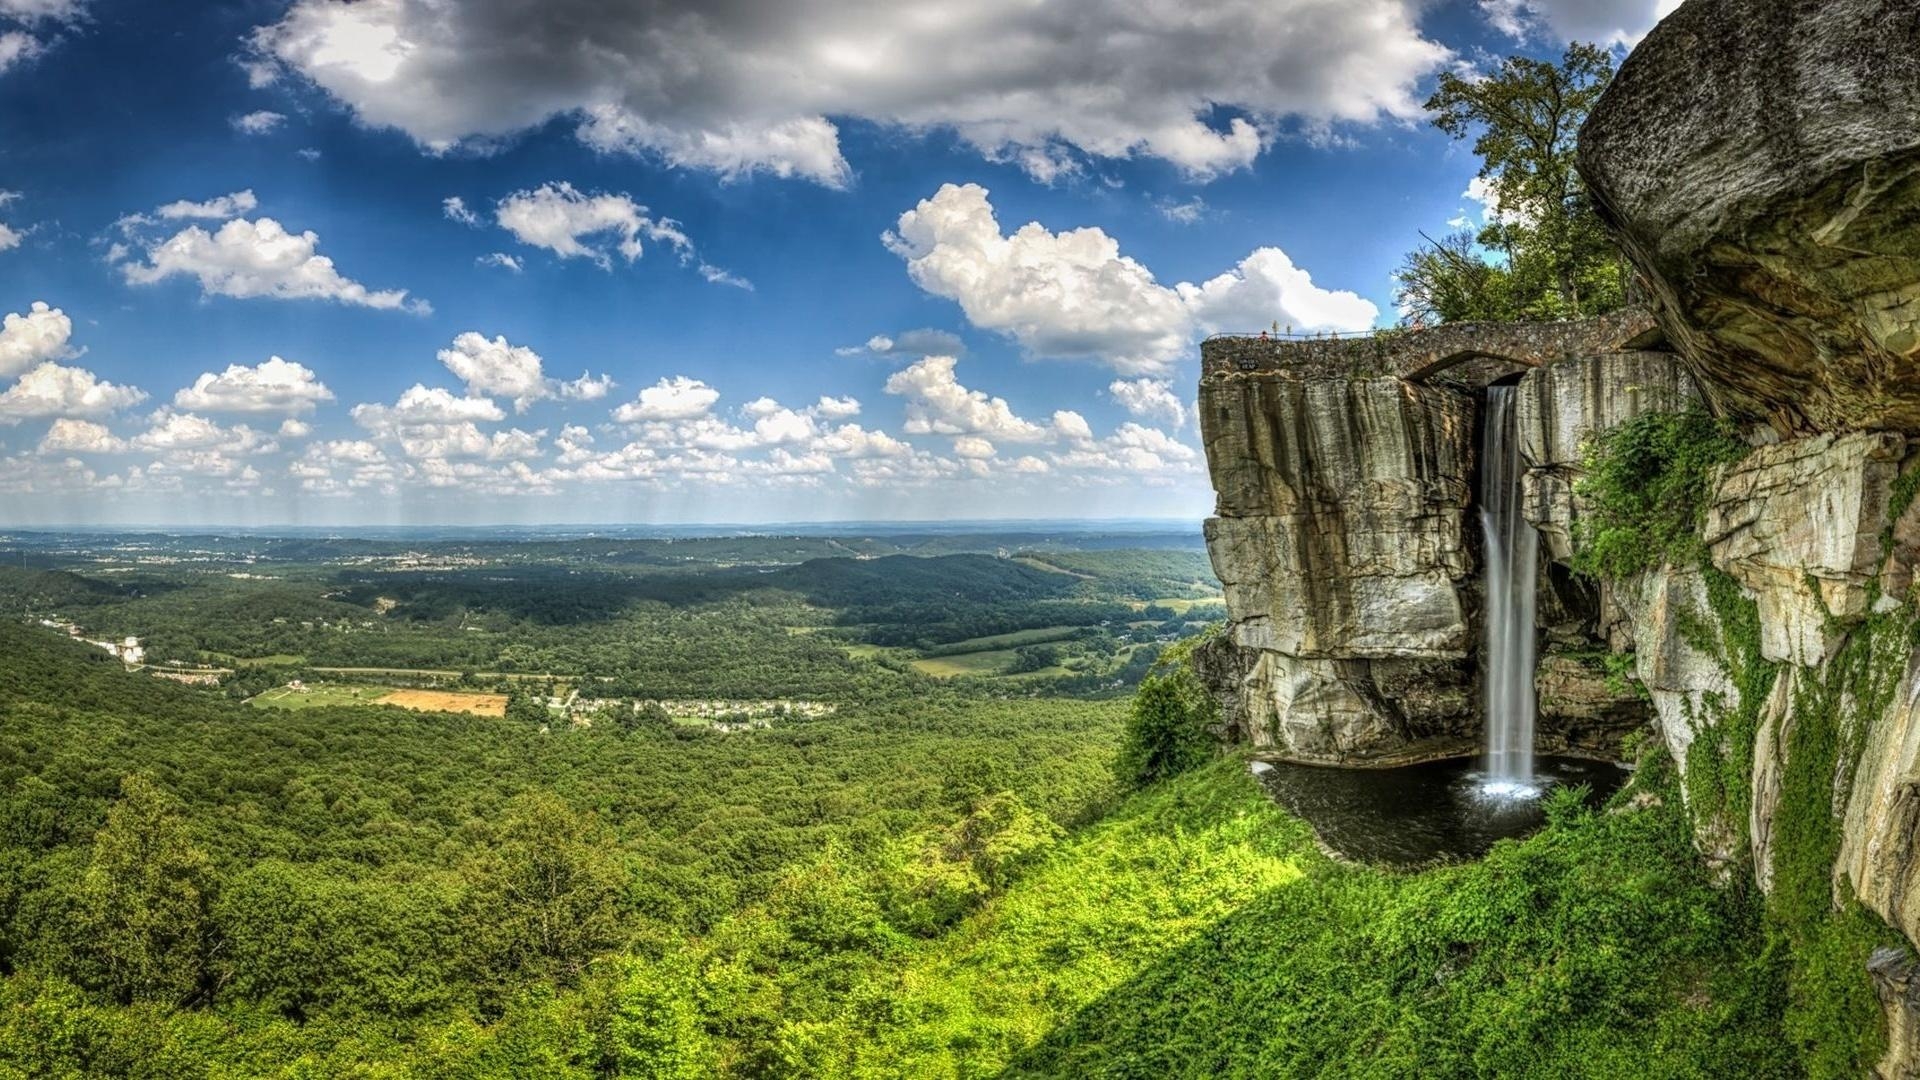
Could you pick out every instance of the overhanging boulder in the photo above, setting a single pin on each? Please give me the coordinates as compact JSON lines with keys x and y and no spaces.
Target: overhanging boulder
{"x":1760,"y":162}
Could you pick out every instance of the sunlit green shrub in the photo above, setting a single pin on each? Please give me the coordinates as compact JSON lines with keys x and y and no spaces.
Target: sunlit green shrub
{"x":1167,"y":731}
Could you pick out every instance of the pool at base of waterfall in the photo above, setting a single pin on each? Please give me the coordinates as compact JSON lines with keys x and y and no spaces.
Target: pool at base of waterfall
{"x":1433,"y":812}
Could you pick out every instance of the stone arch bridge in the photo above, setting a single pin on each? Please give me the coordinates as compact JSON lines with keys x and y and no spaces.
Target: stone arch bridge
{"x":1469,"y":352}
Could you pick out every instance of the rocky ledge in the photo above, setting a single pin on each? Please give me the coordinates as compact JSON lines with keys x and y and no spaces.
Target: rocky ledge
{"x":1349,"y":552}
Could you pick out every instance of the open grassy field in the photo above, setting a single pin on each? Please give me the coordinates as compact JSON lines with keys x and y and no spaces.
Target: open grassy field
{"x":1014,"y":640}
{"x":990,"y":662}
{"x":991,"y":654}
{"x":447,"y":701}
{"x":319,"y":696}
{"x":1041,"y":564}
{"x":1179,"y":605}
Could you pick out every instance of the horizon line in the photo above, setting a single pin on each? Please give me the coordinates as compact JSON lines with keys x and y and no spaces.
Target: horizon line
{"x":808,"y":524}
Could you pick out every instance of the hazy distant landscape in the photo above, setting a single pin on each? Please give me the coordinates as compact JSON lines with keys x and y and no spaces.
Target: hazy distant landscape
{"x":605,"y":619}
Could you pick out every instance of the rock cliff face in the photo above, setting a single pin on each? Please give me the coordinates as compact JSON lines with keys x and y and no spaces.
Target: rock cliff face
{"x":1341,"y":502}
{"x":1760,"y":162}
{"x":1341,"y":544}
{"x":1564,"y":404}
{"x":1799,"y":526}
{"x":1348,"y":551}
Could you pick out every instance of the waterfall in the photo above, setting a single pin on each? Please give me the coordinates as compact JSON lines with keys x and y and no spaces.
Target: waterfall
{"x":1512,"y":554}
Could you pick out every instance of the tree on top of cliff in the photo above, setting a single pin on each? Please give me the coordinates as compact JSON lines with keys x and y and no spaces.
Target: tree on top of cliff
{"x":1541,"y":252}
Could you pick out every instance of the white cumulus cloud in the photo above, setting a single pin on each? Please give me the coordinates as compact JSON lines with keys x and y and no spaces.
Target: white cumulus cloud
{"x":740,"y":88}
{"x":171,"y":430}
{"x":1267,"y":287}
{"x":259,"y":258}
{"x":430,"y":425}
{"x":221,"y":206}
{"x":40,"y":334}
{"x":1150,"y":398}
{"x":1133,"y":450}
{"x":675,"y":398}
{"x":271,"y":386}
{"x":973,"y":446}
{"x":1072,"y":294}
{"x":422,"y":406}
{"x":51,"y":389}
{"x":575,"y":224}
{"x":938,"y":405}
{"x":1071,"y":426}
{"x":496,"y":366}
{"x":835,"y":408}
{"x":587,"y":387}
{"x":70,"y":436}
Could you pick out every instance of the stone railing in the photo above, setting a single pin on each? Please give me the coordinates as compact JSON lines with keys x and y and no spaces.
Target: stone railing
{"x":1424,"y":353}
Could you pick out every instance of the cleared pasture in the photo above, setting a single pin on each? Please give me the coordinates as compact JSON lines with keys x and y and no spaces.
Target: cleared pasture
{"x":1012,"y":640}
{"x":447,"y":701}
{"x":324,"y":695}
{"x":319,"y":696}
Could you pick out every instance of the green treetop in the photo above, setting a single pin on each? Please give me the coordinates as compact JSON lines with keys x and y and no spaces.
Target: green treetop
{"x":1542,"y":252}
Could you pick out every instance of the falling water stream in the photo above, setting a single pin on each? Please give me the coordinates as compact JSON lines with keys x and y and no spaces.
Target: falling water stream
{"x":1439,"y":811}
{"x":1511,"y":557}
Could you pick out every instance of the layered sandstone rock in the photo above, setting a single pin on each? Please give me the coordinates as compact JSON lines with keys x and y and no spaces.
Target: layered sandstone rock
{"x":1799,"y":525}
{"x":1342,"y":546}
{"x":1564,"y":404}
{"x":1678,"y":652}
{"x":1584,"y":710}
{"x":1340,"y":712}
{"x":1878,"y":844}
{"x":1760,"y":161}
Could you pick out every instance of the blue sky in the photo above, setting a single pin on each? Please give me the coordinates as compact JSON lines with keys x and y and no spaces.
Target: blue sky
{"x":678,"y":228}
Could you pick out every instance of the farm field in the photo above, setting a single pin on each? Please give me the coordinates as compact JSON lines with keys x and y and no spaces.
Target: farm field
{"x":985,"y":662}
{"x":1012,"y":640}
{"x":447,"y":701}
{"x":861,"y":650}
{"x":1179,"y":605}
{"x":326,"y":695}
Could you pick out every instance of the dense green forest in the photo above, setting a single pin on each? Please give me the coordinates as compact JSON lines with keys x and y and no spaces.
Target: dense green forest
{"x":948,"y":887}
{"x":1019,"y":853}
